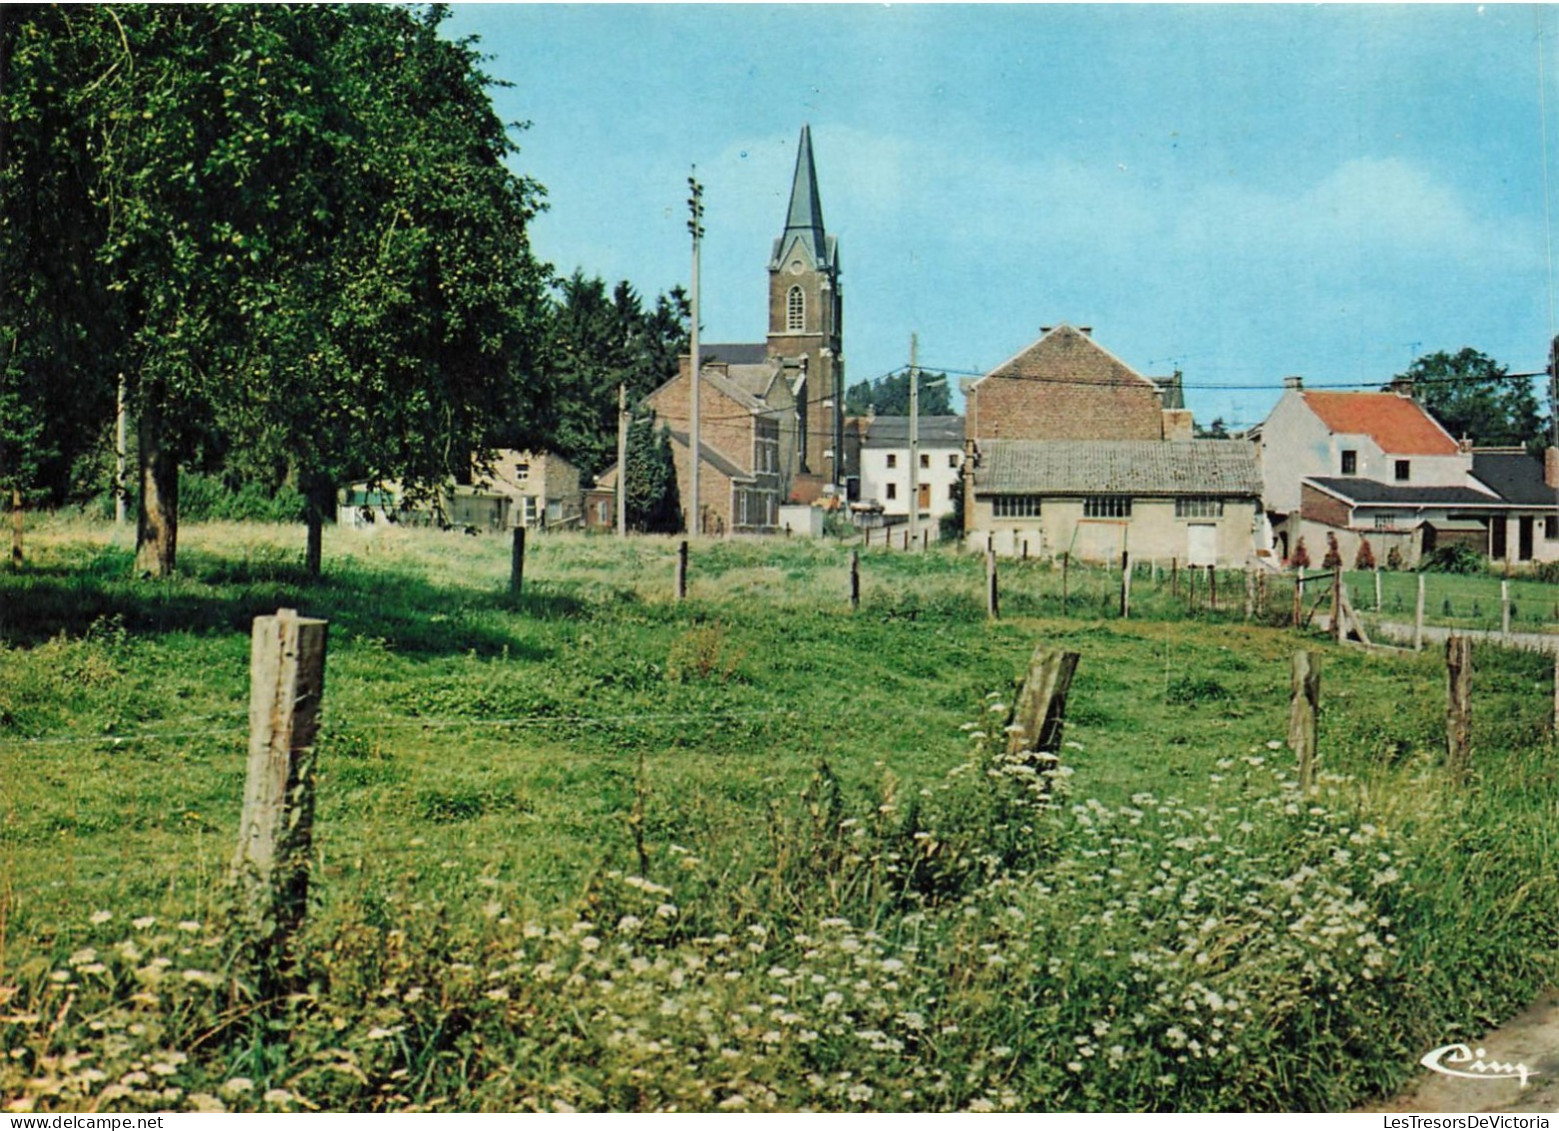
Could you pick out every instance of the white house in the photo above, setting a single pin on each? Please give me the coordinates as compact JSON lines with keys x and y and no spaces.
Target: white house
{"x":885,"y":466}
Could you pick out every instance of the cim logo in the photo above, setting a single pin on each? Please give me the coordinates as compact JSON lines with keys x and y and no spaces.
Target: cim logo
{"x":1470,"y":1064}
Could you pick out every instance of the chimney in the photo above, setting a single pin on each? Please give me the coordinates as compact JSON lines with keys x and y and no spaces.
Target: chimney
{"x":1401,"y":385}
{"x":1293,"y":382}
{"x":1086,"y":331}
{"x":1551,"y":467}
{"x":1464,"y":445}
{"x":1046,"y":329}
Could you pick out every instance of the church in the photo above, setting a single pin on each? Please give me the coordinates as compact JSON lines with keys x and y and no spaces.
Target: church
{"x":771,"y":413}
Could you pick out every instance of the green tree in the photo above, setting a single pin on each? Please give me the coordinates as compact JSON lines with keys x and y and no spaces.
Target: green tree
{"x":1475,"y":396}
{"x":653,"y":505}
{"x":295,"y":234}
{"x":595,"y":342}
{"x":1217,"y":430}
{"x":889,"y":395}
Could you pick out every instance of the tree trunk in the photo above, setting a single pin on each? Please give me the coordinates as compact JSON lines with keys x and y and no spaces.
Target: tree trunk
{"x":321,"y":500}
{"x":157,"y":518}
{"x":16,"y":528}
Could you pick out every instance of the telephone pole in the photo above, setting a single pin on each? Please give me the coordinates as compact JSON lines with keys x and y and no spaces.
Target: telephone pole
{"x":914,"y":441}
{"x":622,"y":461}
{"x":695,"y":225}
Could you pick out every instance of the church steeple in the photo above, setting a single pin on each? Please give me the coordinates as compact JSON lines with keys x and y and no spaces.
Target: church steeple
{"x":804,"y":219}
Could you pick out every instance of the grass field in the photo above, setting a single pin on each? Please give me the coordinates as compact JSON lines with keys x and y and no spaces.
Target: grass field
{"x":592,"y":847}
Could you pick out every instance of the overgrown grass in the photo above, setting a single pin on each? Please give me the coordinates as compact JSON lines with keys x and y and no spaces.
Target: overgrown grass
{"x":593,"y":848}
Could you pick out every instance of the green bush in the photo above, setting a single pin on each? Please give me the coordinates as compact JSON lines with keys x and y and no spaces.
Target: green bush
{"x":1454,"y":557}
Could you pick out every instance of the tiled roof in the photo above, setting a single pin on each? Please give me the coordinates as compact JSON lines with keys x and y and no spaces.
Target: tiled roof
{"x":1067,"y":354}
{"x":1399,"y":424}
{"x":1372,"y":493}
{"x":1515,"y":476}
{"x":893,"y":431}
{"x":1118,"y":467}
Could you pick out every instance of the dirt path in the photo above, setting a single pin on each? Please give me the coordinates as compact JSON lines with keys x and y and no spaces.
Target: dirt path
{"x":1531,"y":1039}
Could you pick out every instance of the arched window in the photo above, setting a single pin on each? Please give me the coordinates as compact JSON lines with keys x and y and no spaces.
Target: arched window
{"x":796,"y":309}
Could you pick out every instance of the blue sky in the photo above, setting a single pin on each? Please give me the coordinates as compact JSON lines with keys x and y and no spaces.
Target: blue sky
{"x":1242,"y":192}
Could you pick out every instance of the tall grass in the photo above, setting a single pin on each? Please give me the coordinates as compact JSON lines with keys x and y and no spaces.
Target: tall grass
{"x":593,"y":848}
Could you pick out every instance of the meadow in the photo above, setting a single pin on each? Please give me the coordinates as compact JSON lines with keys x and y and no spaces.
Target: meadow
{"x":590,"y":847}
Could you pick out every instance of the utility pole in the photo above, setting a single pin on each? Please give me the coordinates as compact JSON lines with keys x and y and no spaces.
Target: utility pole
{"x":119,"y":449}
{"x":622,"y":461}
{"x":695,"y":225}
{"x":914,"y":440}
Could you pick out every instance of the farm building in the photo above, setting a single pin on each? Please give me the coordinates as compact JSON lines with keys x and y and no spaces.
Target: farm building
{"x":1197,"y":501}
{"x":543,"y":488}
{"x":519,"y":488}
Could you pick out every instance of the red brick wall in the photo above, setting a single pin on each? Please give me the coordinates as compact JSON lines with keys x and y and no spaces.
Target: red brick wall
{"x":1064,"y":387}
{"x":1317,"y":506}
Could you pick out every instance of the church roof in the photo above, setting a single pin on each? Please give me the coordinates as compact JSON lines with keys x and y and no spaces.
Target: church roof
{"x":804,"y":218}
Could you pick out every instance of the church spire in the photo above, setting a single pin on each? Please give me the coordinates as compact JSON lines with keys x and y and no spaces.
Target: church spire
{"x":804,"y":220}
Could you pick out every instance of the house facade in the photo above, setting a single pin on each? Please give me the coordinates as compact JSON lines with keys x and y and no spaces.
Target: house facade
{"x":1377,"y":466}
{"x":884,"y":467}
{"x":1197,"y":502}
{"x":543,"y":488}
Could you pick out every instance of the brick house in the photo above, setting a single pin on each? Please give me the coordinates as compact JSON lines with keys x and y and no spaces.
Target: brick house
{"x":543,"y":488}
{"x":1195,"y":501}
{"x":1065,"y":386}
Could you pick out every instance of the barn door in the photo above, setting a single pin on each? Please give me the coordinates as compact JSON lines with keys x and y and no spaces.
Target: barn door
{"x":1202,"y":544}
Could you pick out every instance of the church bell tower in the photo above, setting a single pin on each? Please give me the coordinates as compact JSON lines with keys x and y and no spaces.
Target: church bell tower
{"x":805,"y":323}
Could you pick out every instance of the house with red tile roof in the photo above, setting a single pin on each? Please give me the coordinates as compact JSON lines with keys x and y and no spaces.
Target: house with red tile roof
{"x":1378,"y":466}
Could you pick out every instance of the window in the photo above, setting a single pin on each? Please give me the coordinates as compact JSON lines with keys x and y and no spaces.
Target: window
{"x":893,"y":459}
{"x":522,"y":471}
{"x":1015,"y":506}
{"x":1107,"y":506}
{"x":893,"y":490}
{"x":1350,"y":462}
{"x":1198,"y":508}
{"x":1551,"y":528}
{"x":1403,"y":470}
{"x":952,"y":493}
{"x":952,"y":461}
{"x":796,"y":309}
{"x":1385,"y":520}
{"x":925,"y":459}
{"x":602,"y":515}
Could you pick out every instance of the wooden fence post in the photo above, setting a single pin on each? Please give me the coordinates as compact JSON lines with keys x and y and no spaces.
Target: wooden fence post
{"x":1377,"y":589}
{"x":682,"y":570}
{"x":517,"y":562}
{"x":1556,"y":693}
{"x":1174,"y":577}
{"x":925,"y":540}
{"x":1066,"y":562}
{"x":1418,"y":618}
{"x":1458,"y":709}
{"x":1299,"y":595}
{"x":275,"y":837}
{"x":1261,"y":592}
{"x":992,"y":595}
{"x":855,"y":579}
{"x":1212,"y":588}
{"x":1039,"y":713}
{"x":1504,"y":607}
{"x":1125,"y":585}
{"x":1304,"y":705}
{"x":1190,"y":579}
{"x":1250,"y":592}
{"x":1337,"y":603}
{"x":1025,"y":549}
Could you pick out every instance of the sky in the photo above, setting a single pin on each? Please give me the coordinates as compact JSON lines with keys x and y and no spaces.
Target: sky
{"x":1238,"y":192}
